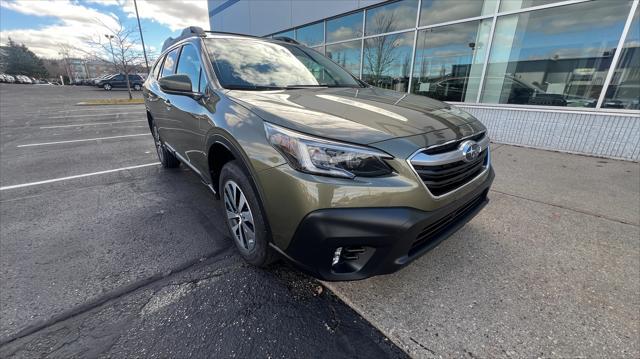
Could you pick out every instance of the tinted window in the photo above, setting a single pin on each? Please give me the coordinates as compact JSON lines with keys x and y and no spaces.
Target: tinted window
{"x":387,"y":61}
{"x":289,"y":34}
{"x":347,"y":55}
{"x":507,"y":5}
{"x":391,"y":17}
{"x":170,"y":63}
{"x":439,"y":11}
{"x":189,"y":64}
{"x":262,"y":65}
{"x":449,"y":57}
{"x":156,"y":69}
{"x":320,"y":49}
{"x":558,"y":56}
{"x":345,"y":27}
{"x":311,"y":35}
{"x":118,"y":78}
{"x":624,"y":90}
{"x":202,"y":82}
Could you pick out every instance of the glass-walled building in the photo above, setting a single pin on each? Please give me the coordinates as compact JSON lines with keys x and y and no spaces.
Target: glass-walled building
{"x":562,"y":75}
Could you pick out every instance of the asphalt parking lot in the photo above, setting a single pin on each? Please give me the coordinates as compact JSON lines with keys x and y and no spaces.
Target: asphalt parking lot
{"x":135,"y":261}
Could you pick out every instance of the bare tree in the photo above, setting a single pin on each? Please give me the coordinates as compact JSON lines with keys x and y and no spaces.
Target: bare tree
{"x":380,"y":52}
{"x":121,"y":42}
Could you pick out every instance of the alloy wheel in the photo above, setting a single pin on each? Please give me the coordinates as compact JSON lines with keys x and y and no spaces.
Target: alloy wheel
{"x":239,"y":216}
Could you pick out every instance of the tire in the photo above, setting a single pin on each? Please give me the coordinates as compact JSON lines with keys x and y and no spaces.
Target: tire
{"x":244,"y":217}
{"x":167,"y":159}
{"x":137,"y":87}
{"x":107,"y":87}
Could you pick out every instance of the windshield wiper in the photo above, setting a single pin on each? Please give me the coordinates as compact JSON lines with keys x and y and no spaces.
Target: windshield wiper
{"x":320,"y":86}
{"x":288,"y":87}
{"x":253,"y":87}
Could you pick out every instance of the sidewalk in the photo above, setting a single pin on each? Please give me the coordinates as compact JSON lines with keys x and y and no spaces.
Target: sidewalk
{"x":550,"y":268}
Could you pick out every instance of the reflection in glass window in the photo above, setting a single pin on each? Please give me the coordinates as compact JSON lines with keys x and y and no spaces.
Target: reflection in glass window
{"x":387,"y":61}
{"x":449,"y":61}
{"x":508,"y":5}
{"x":439,"y":11}
{"x":289,"y":34}
{"x":189,"y":64}
{"x":554,"y":57}
{"x":320,"y":49}
{"x":347,"y":55}
{"x":260,"y":65}
{"x":170,"y":62}
{"x":345,"y":27}
{"x":624,"y":90}
{"x":395,"y":16}
{"x":311,"y":35}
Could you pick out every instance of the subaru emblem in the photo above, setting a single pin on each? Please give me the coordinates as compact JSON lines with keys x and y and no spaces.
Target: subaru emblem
{"x":470,"y":150}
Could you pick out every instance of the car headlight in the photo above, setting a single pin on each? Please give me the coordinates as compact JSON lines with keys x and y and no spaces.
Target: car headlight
{"x":319,"y":156}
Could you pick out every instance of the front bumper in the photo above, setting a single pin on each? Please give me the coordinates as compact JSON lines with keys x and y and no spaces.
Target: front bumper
{"x":391,"y":237}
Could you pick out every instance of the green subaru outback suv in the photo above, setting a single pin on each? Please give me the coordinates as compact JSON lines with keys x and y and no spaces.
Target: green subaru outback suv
{"x":310,"y":163}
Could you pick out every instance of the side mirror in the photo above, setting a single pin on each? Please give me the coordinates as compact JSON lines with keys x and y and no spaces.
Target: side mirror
{"x":178,"y":85}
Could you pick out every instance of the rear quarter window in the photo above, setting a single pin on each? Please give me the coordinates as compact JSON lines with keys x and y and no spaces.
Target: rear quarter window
{"x":168,"y":68}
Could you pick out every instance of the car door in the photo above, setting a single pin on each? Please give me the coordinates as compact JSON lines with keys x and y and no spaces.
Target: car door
{"x":118,"y":81}
{"x":189,"y":110}
{"x":163,"y":114}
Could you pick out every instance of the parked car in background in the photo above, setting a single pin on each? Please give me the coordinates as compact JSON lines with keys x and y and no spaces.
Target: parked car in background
{"x":22,"y":79}
{"x":346,"y":180}
{"x":97,"y":79}
{"x":120,"y":81}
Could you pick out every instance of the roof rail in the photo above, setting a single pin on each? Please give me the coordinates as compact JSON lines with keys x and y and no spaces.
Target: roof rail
{"x":232,"y":33}
{"x":286,"y":39}
{"x":187,"y":32}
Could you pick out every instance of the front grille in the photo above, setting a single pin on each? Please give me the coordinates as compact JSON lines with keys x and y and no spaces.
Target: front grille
{"x":441,"y":179}
{"x":452,"y":146}
{"x":433,"y":231}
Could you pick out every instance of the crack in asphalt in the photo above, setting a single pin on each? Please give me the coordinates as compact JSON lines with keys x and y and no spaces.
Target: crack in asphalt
{"x":113,"y":295}
{"x":422,"y":346}
{"x":617,"y":220}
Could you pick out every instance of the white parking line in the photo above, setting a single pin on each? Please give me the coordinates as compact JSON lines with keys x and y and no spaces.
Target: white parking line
{"x":97,"y":115}
{"x":77,"y":176}
{"x":91,"y":124}
{"x":83,"y":140}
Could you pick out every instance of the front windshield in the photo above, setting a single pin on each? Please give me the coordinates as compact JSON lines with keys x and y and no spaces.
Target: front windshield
{"x":253,"y":64}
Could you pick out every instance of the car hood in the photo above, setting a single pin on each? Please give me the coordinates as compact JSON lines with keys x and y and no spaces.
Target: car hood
{"x":357,"y":115}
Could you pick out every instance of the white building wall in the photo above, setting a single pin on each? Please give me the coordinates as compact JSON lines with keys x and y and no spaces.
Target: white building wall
{"x":612,"y":135}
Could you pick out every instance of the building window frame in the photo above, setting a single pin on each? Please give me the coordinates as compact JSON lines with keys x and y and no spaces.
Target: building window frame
{"x":497,"y":13}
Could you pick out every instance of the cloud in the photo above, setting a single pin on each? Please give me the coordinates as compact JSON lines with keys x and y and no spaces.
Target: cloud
{"x":176,"y":15}
{"x":77,"y":25}
{"x":443,"y":11}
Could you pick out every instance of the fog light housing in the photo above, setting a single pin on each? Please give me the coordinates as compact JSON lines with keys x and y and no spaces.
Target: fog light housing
{"x":336,"y":256}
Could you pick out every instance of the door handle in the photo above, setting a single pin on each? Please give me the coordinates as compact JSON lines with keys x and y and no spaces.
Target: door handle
{"x":167,"y":102}
{"x":200,"y":117}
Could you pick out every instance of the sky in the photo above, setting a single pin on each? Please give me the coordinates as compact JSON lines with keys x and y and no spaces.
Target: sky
{"x":46,"y":26}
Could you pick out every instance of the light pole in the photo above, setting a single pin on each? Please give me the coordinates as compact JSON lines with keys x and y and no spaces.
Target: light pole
{"x":112,"y":55}
{"x":144,"y":50}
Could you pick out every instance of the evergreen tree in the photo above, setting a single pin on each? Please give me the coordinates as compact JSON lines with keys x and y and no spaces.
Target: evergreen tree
{"x":19,"y":60}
